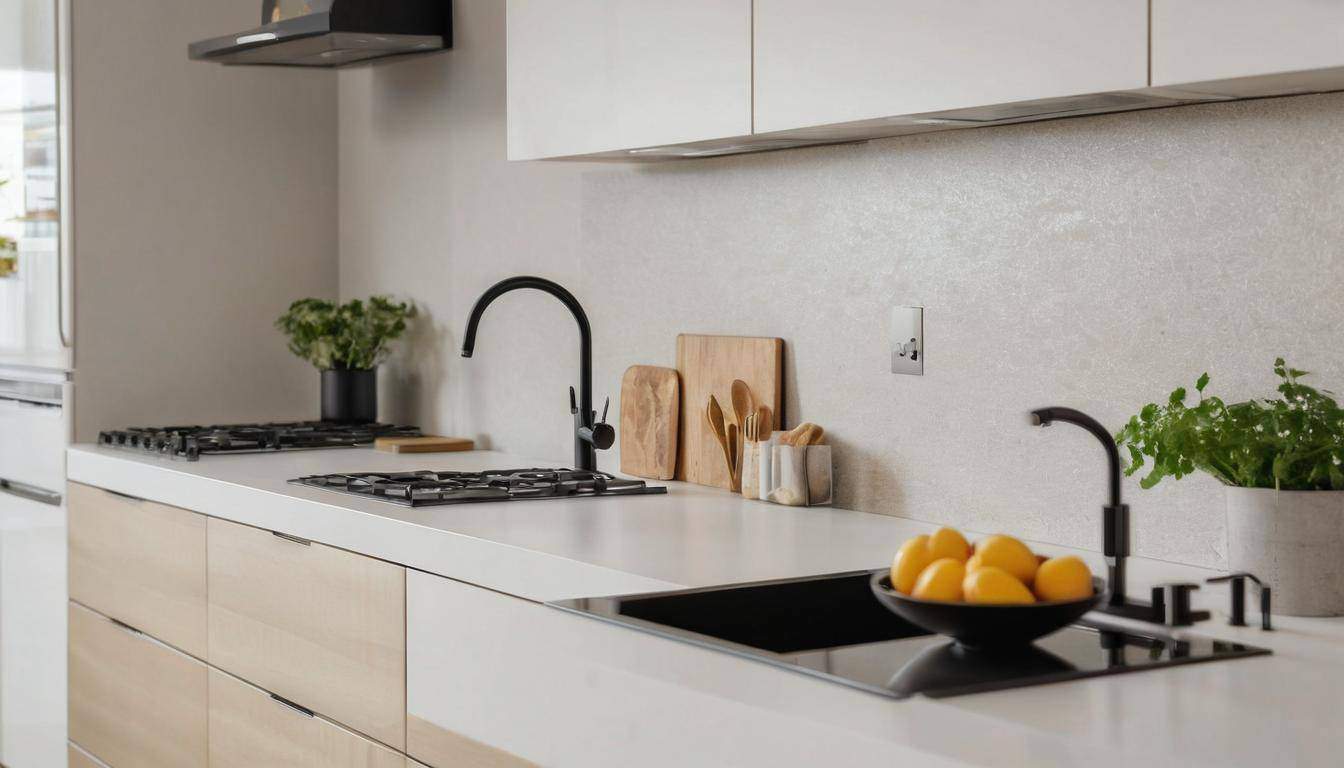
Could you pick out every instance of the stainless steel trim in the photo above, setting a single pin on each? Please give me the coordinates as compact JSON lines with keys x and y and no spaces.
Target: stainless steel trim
{"x":65,"y":173}
{"x":260,"y":37}
{"x":295,"y":539}
{"x":286,"y":703}
{"x":30,"y":492}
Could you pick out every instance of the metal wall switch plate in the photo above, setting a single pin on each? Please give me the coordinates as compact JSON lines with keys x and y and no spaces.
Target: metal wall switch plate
{"x":907,"y":340}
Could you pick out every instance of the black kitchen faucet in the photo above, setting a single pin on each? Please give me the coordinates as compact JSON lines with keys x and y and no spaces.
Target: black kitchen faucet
{"x":1171,"y":602}
{"x":589,"y":433}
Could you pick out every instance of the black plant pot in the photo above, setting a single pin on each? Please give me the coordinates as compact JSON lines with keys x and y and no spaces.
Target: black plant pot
{"x":350,"y":397}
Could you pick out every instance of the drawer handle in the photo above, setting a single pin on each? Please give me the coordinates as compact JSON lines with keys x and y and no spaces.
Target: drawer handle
{"x":120,"y":495}
{"x":306,"y":712}
{"x":124,"y":626}
{"x":287,"y":537}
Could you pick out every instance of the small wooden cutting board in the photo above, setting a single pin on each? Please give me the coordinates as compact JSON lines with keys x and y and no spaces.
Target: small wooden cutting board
{"x":428,"y":444}
{"x":650,"y":407}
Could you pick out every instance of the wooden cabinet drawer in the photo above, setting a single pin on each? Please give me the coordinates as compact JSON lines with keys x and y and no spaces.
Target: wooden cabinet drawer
{"x":322,"y":627}
{"x":441,"y":748}
{"x":249,"y":728}
{"x":141,"y":563}
{"x":134,"y":701}
{"x":76,"y":758}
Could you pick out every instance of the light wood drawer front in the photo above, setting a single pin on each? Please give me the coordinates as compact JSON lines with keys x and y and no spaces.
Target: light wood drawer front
{"x":140,"y":562}
{"x":319,"y":626}
{"x":77,"y":759}
{"x":134,"y":702}
{"x":441,"y":748}
{"x":249,"y":728}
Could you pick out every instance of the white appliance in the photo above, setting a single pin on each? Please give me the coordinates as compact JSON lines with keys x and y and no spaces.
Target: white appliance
{"x":34,"y":430}
{"x":35,"y":364}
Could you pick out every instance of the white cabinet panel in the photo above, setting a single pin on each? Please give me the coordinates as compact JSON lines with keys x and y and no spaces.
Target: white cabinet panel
{"x":590,"y":76}
{"x":848,"y":60}
{"x":1199,"y":40}
{"x":32,"y":633}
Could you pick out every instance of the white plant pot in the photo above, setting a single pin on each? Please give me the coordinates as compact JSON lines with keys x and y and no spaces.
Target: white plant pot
{"x":1293,"y":541}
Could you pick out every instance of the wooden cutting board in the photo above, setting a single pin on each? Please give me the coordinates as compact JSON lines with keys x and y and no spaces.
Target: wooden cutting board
{"x":708,"y":365}
{"x":428,"y":444}
{"x":650,"y":407}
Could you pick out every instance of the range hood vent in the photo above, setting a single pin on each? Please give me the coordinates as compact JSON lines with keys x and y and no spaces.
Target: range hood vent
{"x":333,"y":33}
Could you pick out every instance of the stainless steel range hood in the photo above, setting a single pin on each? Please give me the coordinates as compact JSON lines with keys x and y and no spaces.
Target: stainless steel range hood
{"x":333,"y":33}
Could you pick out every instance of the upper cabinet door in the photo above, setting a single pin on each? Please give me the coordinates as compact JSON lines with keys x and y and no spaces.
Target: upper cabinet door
{"x":847,"y":60}
{"x":1199,"y":40}
{"x":587,"y":76}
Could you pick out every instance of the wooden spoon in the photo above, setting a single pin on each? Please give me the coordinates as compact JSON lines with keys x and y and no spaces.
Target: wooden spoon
{"x":715,"y":415}
{"x":743,"y":402}
{"x":764,"y":426}
{"x":734,"y":453}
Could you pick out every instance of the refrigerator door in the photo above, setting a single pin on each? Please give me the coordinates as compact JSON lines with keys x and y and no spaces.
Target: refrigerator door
{"x":32,"y":633}
{"x":35,"y":316}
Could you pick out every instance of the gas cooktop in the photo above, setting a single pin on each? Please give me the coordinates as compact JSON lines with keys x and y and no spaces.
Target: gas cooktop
{"x":189,"y":442}
{"x":429,"y":488}
{"x":832,"y":627}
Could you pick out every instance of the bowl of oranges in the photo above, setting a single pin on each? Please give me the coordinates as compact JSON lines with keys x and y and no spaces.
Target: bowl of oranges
{"x":997,"y":592}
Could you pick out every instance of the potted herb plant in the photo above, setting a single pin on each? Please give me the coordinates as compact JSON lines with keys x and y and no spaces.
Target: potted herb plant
{"x":346,"y":342}
{"x":1282,"y":462}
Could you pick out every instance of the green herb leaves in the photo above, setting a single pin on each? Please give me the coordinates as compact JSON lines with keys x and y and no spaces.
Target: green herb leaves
{"x":354,"y":335}
{"x":1293,"y":443}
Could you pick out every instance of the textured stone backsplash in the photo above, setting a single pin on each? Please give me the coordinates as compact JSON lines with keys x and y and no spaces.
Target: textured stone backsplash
{"x":1096,"y":263}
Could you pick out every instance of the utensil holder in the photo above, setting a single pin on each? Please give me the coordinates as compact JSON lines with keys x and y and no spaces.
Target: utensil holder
{"x":752,"y":453}
{"x":800,"y":476}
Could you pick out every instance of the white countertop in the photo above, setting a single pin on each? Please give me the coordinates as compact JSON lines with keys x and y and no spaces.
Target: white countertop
{"x":1276,"y":710}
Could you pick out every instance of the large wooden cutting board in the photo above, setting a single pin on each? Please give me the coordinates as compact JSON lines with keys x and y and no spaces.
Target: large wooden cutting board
{"x":708,"y":365}
{"x":650,"y":408}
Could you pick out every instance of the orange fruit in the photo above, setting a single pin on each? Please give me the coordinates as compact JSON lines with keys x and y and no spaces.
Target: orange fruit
{"x":909,"y":562}
{"x":941,"y":581}
{"x":1007,"y":553}
{"x":990,"y":585}
{"x":1063,"y":578}
{"x":948,"y":542}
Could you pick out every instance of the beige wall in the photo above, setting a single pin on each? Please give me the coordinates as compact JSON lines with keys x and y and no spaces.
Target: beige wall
{"x":1094,"y":262}
{"x":205,"y":200}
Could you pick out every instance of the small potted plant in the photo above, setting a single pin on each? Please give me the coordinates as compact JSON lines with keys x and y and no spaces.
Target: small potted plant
{"x":1282,"y":462}
{"x":346,"y":342}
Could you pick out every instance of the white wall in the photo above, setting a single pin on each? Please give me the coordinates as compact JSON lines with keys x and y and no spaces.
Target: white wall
{"x":1094,"y":262}
{"x":205,"y":199}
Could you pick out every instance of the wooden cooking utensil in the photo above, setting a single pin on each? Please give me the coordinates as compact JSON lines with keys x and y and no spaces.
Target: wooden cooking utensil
{"x":715,"y":415}
{"x":734,"y":455}
{"x":650,"y":413}
{"x":743,"y":402}
{"x":764,"y":425}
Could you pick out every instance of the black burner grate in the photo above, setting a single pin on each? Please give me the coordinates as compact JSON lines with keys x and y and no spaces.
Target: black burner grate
{"x":429,"y":488}
{"x":189,"y":442}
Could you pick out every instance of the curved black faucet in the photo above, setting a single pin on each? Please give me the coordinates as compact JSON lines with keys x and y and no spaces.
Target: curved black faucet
{"x":589,"y":434}
{"x":1115,"y":531}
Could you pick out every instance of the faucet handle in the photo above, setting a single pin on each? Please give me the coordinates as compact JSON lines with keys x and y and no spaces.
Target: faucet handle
{"x":573,"y":401}
{"x":606,"y":404}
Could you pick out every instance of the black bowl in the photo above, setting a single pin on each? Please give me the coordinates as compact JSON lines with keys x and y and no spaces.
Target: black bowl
{"x":979,"y":626}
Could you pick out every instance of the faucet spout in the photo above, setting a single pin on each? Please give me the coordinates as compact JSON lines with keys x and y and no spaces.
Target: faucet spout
{"x":585,"y":454}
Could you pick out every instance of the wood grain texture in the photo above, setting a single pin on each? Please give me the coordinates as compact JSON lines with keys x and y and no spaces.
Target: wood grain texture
{"x":708,"y":365}
{"x":441,"y":748}
{"x":134,"y":701}
{"x":141,"y":563}
{"x":427,"y":444}
{"x":248,"y":728}
{"x":322,"y":627}
{"x":650,"y":409}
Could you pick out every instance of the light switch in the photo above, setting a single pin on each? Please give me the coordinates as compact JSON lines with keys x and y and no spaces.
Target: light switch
{"x":907,"y":340}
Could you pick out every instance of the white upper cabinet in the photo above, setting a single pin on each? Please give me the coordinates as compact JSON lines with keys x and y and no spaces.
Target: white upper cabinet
{"x":1201,"y":40}
{"x":821,"y":63}
{"x":589,"y":76}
